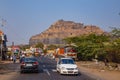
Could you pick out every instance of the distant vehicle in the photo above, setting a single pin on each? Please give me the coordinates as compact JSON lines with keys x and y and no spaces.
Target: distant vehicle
{"x":67,"y":66}
{"x":16,"y":51}
{"x":67,"y":51}
{"x":29,"y":64}
{"x":35,"y":51}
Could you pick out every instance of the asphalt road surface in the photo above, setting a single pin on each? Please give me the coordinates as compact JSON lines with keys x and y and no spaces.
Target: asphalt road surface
{"x":47,"y":71}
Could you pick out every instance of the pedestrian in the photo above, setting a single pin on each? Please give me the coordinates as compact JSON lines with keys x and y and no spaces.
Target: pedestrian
{"x":22,"y":58}
{"x":14,"y":58}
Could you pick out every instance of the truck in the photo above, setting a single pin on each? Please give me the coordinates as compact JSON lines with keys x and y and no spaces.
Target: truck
{"x":67,"y":51}
{"x":36,"y":51}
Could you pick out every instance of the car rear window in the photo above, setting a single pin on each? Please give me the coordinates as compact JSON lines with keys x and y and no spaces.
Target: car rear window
{"x":30,"y":60}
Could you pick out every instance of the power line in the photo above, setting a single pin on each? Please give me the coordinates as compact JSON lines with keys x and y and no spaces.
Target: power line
{"x":13,"y":32}
{"x":3,"y":22}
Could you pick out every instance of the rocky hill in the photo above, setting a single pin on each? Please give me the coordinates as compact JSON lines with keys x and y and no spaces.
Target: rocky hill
{"x":62,"y":29}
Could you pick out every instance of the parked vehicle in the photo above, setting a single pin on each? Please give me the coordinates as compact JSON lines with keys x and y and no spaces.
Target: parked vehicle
{"x":29,"y":64}
{"x":67,"y":66}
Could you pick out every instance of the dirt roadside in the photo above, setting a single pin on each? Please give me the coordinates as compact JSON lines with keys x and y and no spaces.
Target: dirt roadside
{"x":98,"y":71}
{"x":8,"y":70}
{"x":8,"y":66}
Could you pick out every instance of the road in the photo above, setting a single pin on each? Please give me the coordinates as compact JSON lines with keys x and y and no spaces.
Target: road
{"x":47,"y":71}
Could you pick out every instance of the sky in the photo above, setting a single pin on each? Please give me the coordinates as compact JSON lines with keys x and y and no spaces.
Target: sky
{"x":26,"y":18}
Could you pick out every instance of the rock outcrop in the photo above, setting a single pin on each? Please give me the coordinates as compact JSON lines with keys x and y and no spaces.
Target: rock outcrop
{"x":63,"y":29}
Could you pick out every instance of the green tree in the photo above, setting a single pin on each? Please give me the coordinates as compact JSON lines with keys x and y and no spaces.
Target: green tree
{"x":24,"y":47}
{"x":52,"y":46}
{"x":89,"y":46}
{"x":113,"y":51}
{"x":115,"y":32}
{"x":39,"y":45}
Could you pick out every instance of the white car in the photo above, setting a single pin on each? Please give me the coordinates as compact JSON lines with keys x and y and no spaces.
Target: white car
{"x":67,"y":66}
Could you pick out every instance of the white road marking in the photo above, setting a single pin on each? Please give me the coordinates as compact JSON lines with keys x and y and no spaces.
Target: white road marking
{"x":46,"y":71}
{"x":54,"y":70}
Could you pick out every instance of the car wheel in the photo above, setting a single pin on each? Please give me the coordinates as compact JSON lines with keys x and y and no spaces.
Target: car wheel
{"x":21,"y":71}
{"x":57,"y":69}
{"x":76,"y":74}
{"x":37,"y":71}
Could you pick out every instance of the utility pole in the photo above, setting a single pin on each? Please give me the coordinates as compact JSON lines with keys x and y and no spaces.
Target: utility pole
{"x":2,"y":23}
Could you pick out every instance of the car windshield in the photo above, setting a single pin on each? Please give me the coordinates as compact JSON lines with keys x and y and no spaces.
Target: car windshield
{"x":67,"y":61}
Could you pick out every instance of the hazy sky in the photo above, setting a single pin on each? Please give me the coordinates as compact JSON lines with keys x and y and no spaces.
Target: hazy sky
{"x":26,"y":18}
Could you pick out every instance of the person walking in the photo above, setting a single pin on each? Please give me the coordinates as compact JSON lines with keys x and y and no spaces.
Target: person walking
{"x":14,"y":58}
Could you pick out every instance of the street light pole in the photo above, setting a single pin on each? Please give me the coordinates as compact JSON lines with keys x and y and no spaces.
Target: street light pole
{"x":1,"y":43}
{"x":1,"y":50}
{"x":2,"y":23}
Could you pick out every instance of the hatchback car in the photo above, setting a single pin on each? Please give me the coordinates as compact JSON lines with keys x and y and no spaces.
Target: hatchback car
{"x":67,"y":66}
{"x":29,"y":64}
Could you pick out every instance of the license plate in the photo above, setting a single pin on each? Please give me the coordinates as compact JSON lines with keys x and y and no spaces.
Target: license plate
{"x":28,"y":64}
{"x":70,"y":71}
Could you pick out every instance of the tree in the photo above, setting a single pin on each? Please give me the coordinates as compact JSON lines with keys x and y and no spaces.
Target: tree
{"x":89,"y":46}
{"x":24,"y":47}
{"x":52,"y":46}
{"x":113,"y":53}
{"x":115,"y":32}
{"x":39,"y":45}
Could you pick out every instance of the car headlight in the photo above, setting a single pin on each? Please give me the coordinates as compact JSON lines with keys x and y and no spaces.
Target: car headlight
{"x":63,"y":68}
{"x":76,"y":68}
